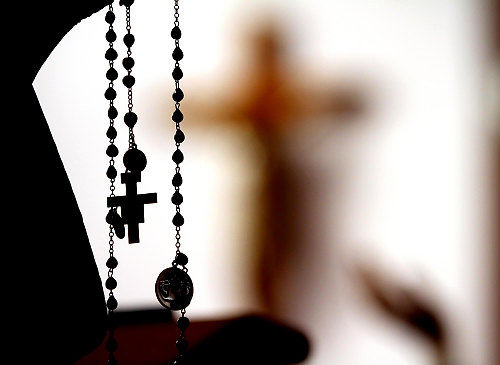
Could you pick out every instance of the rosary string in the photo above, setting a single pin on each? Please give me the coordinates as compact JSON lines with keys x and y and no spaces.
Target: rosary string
{"x":174,"y":288}
{"x":130,"y":117}
{"x":178,"y":157}
{"x":112,"y":217}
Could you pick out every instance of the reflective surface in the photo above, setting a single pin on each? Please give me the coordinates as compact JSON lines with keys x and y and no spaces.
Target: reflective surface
{"x":174,"y":289}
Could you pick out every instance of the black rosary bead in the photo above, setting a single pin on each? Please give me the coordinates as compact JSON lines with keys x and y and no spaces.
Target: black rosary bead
{"x":177,"y":180}
{"x":178,"y":219}
{"x":112,"y":303}
{"x":112,"y":150}
{"x":128,"y":63}
{"x":177,"y":54}
{"x":126,"y":3}
{"x":112,"y":112}
{"x":177,"y":198}
{"x":112,"y":74}
{"x":129,"y":40}
{"x":181,"y":259}
{"x":129,"y":81}
{"x":111,"y":173}
{"x":130,"y":119}
{"x":110,"y":17}
{"x":181,"y":344}
{"x":111,"y":36}
{"x":179,"y":136}
{"x":178,"y":95}
{"x":112,"y":262}
{"x":135,"y":160}
{"x":176,"y":33}
{"x":177,"y":73}
{"x":111,"y":283}
{"x":111,"y":54}
{"x":110,"y":94}
{"x":177,"y":116}
{"x":183,"y":323}
{"x":177,"y":156}
{"x":111,"y":133}
{"x":112,"y":217}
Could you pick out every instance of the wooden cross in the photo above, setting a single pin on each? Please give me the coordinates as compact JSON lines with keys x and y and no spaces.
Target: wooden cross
{"x":132,"y":204}
{"x":272,"y":97}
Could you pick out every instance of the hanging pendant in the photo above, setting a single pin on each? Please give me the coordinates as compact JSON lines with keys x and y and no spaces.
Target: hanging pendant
{"x":131,"y":204}
{"x":174,"y":289}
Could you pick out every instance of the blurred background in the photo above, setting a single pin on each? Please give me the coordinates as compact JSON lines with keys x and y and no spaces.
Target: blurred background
{"x":341,"y":169}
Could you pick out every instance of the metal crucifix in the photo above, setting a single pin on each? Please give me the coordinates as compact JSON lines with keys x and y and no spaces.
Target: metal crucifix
{"x":132,"y":204}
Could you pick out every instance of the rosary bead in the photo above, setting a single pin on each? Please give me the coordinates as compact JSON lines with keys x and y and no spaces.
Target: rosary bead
{"x":178,"y":95}
{"x":177,"y":54}
{"x":128,"y":63}
{"x":181,"y":259}
{"x":110,"y":94}
{"x":177,"y":180}
{"x":181,"y":344}
{"x":126,"y":3}
{"x":111,"y":344}
{"x":112,"y":112}
{"x":112,"y":150}
{"x":110,"y":17}
{"x":179,"y":136}
{"x":178,"y":219}
{"x":112,"y":262}
{"x":130,"y":119}
{"x":129,"y":40}
{"x":176,"y":32}
{"x":111,"y":173}
{"x":177,"y":198}
{"x":177,"y":157}
{"x":177,"y":116}
{"x":183,"y":323}
{"x":112,"y":303}
{"x":111,"y":133}
{"x":129,"y":81}
{"x":177,"y":73}
{"x":111,"y":54}
{"x":135,"y":160}
{"x":112,"y":74}
{"x":111,"y":35}
{"x":111,"y":283}
{"x":110,"y":217}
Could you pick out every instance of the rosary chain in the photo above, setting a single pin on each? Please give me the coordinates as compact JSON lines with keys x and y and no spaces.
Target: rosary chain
{"x":178,"y":157}
{"x":129,"y":80}
{"x":112,"y":152}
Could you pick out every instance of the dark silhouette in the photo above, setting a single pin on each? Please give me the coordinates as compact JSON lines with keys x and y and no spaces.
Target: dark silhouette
{"x":132,"y":204}
{"x":64,"y":314}
{"x":148,"y":337}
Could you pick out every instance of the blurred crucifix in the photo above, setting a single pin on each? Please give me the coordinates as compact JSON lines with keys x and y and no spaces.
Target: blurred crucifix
{"x":272,"y":100}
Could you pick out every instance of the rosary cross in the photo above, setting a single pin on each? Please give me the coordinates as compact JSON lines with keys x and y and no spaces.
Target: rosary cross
{"x":132,"y":204}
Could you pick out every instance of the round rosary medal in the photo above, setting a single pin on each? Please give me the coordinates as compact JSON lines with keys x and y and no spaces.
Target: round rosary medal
{"x":174,"y":289}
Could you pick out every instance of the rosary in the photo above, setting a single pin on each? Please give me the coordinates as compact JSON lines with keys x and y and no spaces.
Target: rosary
{"x":173,"y":288}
